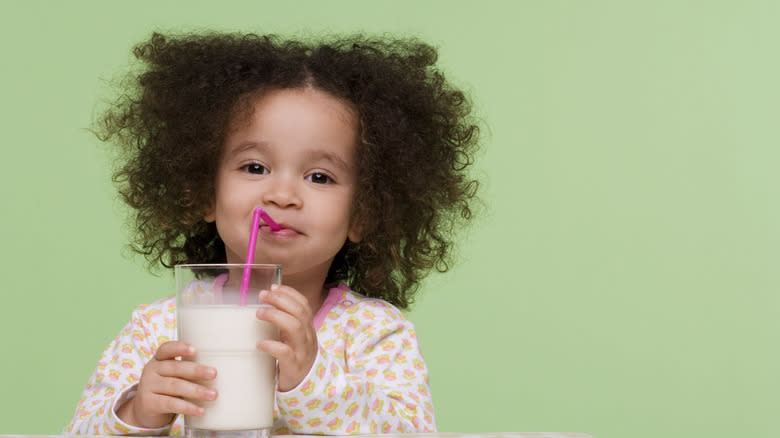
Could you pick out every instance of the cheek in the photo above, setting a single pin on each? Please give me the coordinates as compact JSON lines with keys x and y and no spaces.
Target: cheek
{"x":339,"y":215}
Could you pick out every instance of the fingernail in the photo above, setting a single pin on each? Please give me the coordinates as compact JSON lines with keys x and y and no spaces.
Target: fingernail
{"x":263,"y":294}
{"x":200,"y":411}
{"x":211,"y":394}
{"x":211,"y":373}
{"x":190,"y":349}
{"x":274,"y":286}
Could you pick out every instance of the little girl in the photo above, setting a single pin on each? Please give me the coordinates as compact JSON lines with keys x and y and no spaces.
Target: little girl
{"x":359,"y":149}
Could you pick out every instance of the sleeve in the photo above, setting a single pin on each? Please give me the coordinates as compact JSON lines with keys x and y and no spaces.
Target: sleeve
{"x":368,"y":378}
{"x":116,"y":376}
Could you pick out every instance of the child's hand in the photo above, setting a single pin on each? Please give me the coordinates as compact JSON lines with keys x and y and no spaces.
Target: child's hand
{"x":297,"y":345}
{"x":165,"y":383}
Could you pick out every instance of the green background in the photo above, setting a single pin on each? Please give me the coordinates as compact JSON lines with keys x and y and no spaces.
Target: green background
{"x":622,"y":279}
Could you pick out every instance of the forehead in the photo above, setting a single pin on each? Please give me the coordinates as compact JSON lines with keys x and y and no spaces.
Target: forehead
{"x":300,"y":117}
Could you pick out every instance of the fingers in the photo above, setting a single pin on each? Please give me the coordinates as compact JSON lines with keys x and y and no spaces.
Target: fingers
{"x":185,"y":370}
{"x":296,"y":348}
{"x":162,"y":404}
{"x":173,"y":349}
{"x":175,"y":387}
{"x":290,"y":327}
{"x":168,"y":386}
{"x":279,"y":350}
{"x":286,"y":299}
{"x":180,"y":406}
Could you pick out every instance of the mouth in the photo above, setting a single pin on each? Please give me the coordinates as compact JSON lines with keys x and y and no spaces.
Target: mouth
{"x":283,"y":231}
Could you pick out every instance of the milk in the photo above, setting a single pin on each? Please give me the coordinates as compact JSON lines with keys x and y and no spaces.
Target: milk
{"x":225,"y":338}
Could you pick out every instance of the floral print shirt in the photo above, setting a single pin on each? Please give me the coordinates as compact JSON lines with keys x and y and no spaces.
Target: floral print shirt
{"x":369,"y":375}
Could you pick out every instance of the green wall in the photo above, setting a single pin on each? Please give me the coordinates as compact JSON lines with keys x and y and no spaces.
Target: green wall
{"x":622,"y":281}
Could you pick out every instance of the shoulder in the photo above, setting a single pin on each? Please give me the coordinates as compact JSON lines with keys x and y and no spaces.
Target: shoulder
{"x":154,"y":322}
{"x":156,"y":309}
{"x":344,"y":303}
{"x":360,"y":320}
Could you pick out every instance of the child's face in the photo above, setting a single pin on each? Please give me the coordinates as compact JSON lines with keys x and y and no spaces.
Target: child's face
{"x":295,"y":157}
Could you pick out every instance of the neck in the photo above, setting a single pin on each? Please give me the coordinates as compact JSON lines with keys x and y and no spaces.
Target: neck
{"x":311,"y":287}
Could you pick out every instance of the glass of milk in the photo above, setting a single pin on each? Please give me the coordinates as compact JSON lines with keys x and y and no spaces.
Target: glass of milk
{"x":225,"y":333}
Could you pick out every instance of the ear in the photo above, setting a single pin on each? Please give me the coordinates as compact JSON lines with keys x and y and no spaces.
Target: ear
{"x":355,"y":233}
{"x":210,"y":215}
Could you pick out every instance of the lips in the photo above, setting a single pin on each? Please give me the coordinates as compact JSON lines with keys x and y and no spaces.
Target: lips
{"x":285,"y":232}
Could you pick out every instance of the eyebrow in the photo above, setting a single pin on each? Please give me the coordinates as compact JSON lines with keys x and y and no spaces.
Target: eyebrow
{"x":313,"y":154}
{"x":332,"y":158}
{"x":244,"y":146}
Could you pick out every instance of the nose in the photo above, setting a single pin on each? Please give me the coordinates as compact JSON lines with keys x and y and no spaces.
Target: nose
{"x":282,"y":191}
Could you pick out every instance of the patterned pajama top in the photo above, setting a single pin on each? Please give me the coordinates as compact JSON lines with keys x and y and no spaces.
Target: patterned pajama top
{"x":369,"y":375}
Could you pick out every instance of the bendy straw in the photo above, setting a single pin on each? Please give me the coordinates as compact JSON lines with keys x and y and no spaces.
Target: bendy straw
{"x":258,"y":214}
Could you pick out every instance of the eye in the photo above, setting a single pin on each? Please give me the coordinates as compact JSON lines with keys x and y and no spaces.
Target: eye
{"x":254,"y":168}
{"x":319,"y":178}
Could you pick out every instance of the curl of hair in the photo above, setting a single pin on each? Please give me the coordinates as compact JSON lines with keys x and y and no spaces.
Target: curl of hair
{"x":417,"y":141}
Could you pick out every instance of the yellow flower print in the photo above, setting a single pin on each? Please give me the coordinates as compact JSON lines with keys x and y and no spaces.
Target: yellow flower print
{"x":283,"y":430}
{"x":335,"y":423}
{"x":146,"y":352}
{"x":388,"y":346}
{"x":291,"y":401}
{"x":331,"y":391}
{"x":330,"y":407}
{"x":308,"y":387}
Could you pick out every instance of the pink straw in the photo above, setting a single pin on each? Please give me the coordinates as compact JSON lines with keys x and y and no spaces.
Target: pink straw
{"x":258,"y":214}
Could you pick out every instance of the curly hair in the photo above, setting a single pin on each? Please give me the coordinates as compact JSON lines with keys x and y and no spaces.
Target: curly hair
{"x":417,"y":139}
